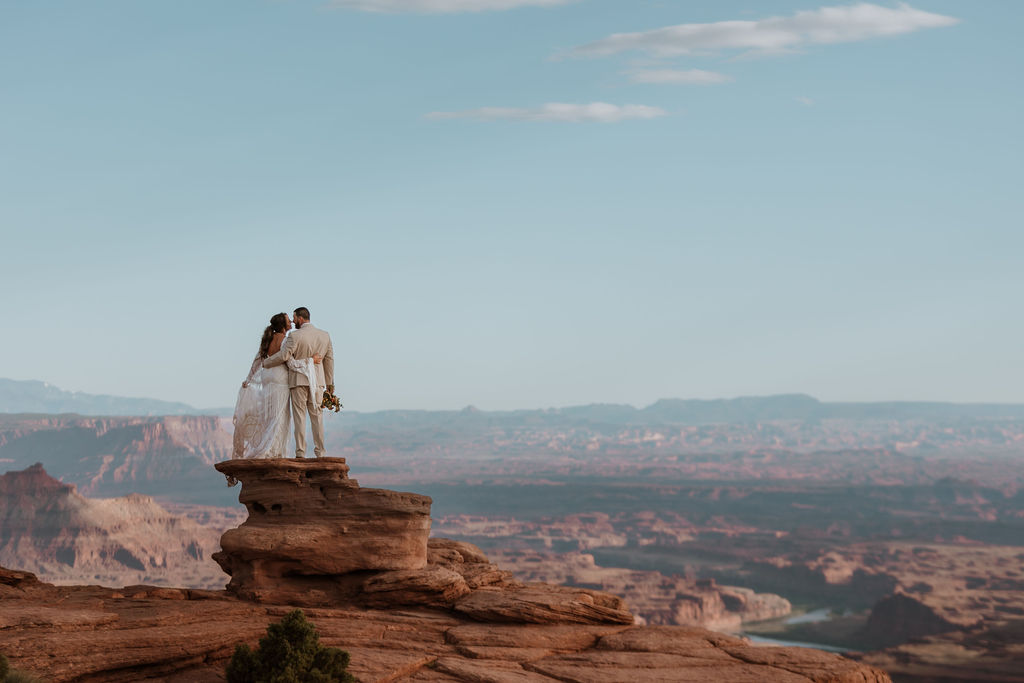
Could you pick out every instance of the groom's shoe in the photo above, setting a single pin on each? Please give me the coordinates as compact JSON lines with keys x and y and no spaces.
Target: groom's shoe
{"x":299,"y":457}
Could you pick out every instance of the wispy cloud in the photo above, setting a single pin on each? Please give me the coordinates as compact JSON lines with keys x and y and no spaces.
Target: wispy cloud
{"x":775,"y":34}
{"x":679,"y":76}
{"x":804,"y":100}
{"x":442,"y":6}
{"x":600,"y":112}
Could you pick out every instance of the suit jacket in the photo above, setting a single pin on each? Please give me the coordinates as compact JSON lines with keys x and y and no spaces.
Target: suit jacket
{"x":306,"y":342}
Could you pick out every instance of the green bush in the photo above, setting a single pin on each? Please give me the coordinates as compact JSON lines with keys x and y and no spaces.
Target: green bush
{"x":290,"y":653}
{"x":9,"y":675}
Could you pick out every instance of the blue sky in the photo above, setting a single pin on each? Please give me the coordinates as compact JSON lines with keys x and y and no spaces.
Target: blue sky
{"x":516,"y":203}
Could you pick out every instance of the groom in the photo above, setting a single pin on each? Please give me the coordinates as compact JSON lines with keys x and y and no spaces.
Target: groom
{"x":305,"y":342}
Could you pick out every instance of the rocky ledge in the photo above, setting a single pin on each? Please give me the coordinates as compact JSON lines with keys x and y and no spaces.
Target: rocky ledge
{"x":407,"y":607}
{"x":89,"y":633}
{"x":315,"y":538}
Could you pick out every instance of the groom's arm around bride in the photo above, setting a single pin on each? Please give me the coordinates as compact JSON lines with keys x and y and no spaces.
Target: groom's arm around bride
{"x":305,"y":342}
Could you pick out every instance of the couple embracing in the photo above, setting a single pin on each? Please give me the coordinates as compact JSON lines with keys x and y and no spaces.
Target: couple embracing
{"x":286,"y":382}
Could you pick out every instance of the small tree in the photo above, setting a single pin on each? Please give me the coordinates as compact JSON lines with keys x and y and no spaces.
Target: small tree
{"x":290,"y":653}
{"x":4,"y":668}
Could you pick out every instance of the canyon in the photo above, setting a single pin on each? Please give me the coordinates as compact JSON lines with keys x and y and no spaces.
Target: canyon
{"x":47,"y":527}
{"x":902,"y":523}
{"x":406,"y":605}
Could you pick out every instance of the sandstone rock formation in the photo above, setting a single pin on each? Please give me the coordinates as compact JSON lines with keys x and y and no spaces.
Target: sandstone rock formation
{"x":48,"y":528}
{"x":88,"y":633}
{"x":308,"y":520}
{"x":314,"y":537}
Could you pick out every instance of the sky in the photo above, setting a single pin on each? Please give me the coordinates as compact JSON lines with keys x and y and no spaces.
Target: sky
{"x":516,"y":203}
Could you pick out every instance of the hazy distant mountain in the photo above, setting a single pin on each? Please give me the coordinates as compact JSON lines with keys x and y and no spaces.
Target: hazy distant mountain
{"x":39,"y":397}
{"x":677,"y":411}
{"x":804,"y":407}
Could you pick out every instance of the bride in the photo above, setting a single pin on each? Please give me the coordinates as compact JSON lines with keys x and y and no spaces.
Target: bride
{"x":261,"y":416}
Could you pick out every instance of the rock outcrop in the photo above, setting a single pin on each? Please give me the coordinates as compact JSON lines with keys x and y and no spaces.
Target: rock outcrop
{"x":308,"y":521}
{"x":89,"y":633}
{"x":315,"y":538}
{"x":404,"y":606}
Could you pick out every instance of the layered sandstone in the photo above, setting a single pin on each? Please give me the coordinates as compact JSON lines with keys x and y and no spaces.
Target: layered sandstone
{"x":307,"y":521}
{"x":405,"y":606}
{"x":89,"y":633}
{"x":314,"y":537}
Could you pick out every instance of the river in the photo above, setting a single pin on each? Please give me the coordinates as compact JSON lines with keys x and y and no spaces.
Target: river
{"x":811,"y":617}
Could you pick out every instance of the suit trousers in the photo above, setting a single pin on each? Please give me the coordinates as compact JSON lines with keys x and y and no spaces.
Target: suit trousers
{"x":302,"y":403}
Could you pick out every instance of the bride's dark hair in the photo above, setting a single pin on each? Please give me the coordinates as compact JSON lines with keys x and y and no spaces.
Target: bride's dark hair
{"x":278,"y":323}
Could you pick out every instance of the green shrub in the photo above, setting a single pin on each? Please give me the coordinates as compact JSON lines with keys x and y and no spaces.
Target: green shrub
{"x":9,"y":675}
{"x":290,"y":653}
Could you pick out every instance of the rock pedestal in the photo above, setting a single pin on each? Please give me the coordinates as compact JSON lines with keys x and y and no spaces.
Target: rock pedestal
{"x":308,"y":520}
{"x":315,"y":538}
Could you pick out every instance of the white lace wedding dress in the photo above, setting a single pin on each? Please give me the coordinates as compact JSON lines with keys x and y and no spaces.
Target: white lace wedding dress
{"x":262,"y":414}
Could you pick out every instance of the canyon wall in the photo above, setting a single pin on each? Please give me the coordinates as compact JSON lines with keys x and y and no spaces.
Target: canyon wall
{"x":48,"y":528}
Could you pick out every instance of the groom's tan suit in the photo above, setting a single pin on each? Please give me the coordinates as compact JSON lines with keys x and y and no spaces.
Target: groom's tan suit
{"x":303,"y":343}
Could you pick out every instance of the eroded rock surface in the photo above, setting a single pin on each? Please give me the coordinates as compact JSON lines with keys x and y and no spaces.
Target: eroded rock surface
{"x":88,"y":633}
{"x":308,"y":520}
{"x":314,"y":537}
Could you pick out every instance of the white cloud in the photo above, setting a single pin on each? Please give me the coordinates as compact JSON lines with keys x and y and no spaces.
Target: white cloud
{"x":679,"y":76}
{"x":775,"y":34}
{"x":601,"y":112}
{"x":442,"y":6}
{"x":804,"y":100}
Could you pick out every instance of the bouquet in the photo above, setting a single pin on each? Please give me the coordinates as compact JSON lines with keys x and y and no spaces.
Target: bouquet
{"x":331,"y":402}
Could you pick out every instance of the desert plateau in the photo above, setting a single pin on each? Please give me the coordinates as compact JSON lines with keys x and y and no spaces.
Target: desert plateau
{"x":782,"y":520}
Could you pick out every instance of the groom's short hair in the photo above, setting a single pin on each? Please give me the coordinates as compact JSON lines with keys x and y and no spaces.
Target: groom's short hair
{"x":302,"y":312}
